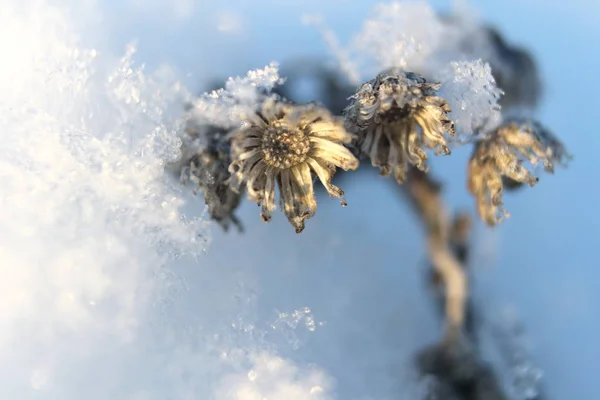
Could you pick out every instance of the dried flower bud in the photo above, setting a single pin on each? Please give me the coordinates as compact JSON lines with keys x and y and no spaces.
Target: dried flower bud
{"x":502,"y":155}
{"x":285,"y":143}
{"x":204,"y":161}
{"x":395,"y":115}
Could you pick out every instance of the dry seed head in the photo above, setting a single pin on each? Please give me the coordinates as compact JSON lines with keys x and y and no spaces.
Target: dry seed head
{"x":504,"y":154}
{"x":395,"y":116}
{"x":283,"y":145}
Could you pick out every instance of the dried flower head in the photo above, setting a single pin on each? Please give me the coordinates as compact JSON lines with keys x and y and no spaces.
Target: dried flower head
{"x":502,"y":155}
{"x":285,"y":143}
{"x":395,"y":115}
{"x":204,"y":161}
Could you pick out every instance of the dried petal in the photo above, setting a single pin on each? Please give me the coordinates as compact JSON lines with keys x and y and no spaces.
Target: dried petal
{"x":503,"y":154}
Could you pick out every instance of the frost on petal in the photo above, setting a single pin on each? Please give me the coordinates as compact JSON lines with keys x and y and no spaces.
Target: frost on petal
{"x":229,"y":106}
{"x":503,"y":154}
{"x":473,"y":96}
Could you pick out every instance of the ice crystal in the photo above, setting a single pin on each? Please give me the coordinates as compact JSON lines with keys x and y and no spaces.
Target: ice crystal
{"x":473,"y":96}
{"x":401,"y":34}
{"x":241,"y":97}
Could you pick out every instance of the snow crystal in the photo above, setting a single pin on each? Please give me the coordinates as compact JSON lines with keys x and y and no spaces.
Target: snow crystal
{"x":227,"y":107}
{"x":471,"y":91}
{"x":401,"y":34}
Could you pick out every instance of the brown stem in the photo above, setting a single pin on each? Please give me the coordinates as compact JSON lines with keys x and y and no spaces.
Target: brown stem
{"x":459,"y":372}
{"x":424,"y":194}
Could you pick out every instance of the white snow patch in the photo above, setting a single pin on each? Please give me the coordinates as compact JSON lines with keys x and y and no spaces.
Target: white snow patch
{"x":227,"y":107}
{"x":472,"y":94}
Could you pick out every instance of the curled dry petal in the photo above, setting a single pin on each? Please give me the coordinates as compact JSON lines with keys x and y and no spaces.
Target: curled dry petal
{"x":395,"y":116}
{"x":504,"y":154}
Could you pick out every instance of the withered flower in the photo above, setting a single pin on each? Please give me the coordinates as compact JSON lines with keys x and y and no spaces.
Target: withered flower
{"x":502,"y":154}
{"x":285,"y":144}
{"x":394,"y":116}
{"x":204,"y":162}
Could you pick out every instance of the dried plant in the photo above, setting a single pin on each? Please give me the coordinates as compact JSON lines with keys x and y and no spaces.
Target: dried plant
{"x":395,"y":115}
{"x":204,"y":162}
{"x":254,"y":139}
{"x":285,"y":144}
{"x":503,"y":153}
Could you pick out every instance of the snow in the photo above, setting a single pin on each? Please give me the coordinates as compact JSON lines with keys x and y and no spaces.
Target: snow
{"x":401,"y":34}
{"x":226,"y":107}
{"x":88,"y":219}
{"x":472,"y":95}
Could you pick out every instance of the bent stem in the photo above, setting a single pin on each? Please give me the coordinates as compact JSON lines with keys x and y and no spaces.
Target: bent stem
{"x":424,"y":195}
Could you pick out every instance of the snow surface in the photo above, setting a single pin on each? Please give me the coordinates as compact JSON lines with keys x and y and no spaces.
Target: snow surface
{"x":111,"y":287}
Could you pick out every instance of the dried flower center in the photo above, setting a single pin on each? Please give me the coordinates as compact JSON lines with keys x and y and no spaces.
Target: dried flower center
{"x":283,"y":147}
{"x":395,"y":114}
